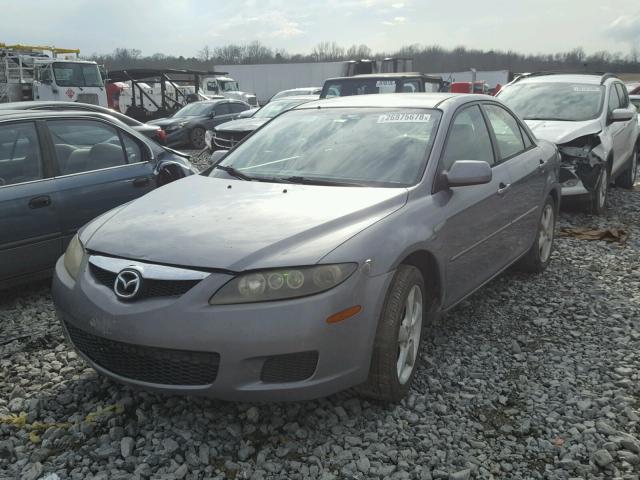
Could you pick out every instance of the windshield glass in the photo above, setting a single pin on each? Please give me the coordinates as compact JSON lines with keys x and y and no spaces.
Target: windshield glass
{"x":77,"y":75}
{"x":228,"y":86}
{"x":194,"y":109}
{"x":370,"y":146}
{"x":274,"y":108}
{"x":554,"y":101}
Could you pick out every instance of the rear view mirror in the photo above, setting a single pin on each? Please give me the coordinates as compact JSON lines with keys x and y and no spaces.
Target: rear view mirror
{"x":621,"y":115}
{"x":468,"y":172}
{"x":217,"y":156}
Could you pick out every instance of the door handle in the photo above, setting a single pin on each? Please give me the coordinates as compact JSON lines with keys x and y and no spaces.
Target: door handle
{"x":541,"y":164}
{"x":140,"y":181}
{"x":502,"y":188}
{"x":40,"y":202}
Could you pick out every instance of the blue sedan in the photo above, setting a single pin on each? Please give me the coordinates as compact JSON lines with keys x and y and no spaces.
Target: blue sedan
{"x":58,"y":170}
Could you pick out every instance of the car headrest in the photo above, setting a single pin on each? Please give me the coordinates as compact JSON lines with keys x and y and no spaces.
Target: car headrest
{"x":461,"y":145}
{"x":104,"y":155}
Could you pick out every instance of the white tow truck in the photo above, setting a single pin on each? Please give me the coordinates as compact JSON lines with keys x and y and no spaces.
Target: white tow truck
{"x":48,"y":73}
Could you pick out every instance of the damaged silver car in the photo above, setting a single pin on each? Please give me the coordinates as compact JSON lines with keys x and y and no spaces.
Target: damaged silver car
{"x":591,"y":120}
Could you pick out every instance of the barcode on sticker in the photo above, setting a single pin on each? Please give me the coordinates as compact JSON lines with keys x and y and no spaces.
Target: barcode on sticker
{"x":404,"y":118}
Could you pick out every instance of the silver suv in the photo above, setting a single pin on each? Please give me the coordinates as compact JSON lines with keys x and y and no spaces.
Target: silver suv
{"x":591,"y":120}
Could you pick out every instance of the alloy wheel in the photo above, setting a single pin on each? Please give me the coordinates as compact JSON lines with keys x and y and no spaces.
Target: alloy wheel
{"x":409,"y":334}
{"x":545,"y":235}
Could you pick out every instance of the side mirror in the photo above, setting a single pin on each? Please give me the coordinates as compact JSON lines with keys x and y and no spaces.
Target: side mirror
{"x":217,"y":156}
{"x":468,"y":172}
{"x":621,"y":115}
{"x":212,"y":114}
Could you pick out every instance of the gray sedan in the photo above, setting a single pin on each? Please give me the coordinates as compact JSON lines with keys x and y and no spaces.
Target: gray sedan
{"x":312,"y":256}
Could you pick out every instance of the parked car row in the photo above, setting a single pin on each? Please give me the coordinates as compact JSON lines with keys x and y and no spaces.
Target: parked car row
{"x":311,"y":255}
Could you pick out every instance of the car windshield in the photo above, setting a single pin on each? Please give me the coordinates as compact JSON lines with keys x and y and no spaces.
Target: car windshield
{"x":228,"y":86}
{"x":194,"y":109}
{"x":363,"y":146}
{"x":554,"y":101}
{"x":274,"y":108}
{"x":77,"y":74}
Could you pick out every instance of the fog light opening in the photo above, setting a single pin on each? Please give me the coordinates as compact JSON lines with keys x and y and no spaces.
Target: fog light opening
{"x":344,"y":314}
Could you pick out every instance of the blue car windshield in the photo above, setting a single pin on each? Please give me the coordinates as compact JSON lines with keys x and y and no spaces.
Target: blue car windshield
{"x":364,"y":146}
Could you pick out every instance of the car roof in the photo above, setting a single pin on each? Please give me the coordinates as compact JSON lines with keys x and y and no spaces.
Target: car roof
{"x":394,"y":100}
{"x":388,"y":75}
{"x":295,"y":98}
{"x":596,"y":78}
{"x":7,"y":115}
{"x":74,"y":106}
{"x":298,"y":89}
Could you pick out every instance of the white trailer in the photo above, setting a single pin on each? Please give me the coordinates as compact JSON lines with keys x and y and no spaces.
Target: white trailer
{"x":268,"y":79}
{"x":48,"y":73}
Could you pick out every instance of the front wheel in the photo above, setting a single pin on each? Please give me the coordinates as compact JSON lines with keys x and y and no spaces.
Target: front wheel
{"x":628,"y":177}
{"x":538,"y":256}
{"x":396,"y":350}
{"x":598,"y":197}
{"x":197,"y":138}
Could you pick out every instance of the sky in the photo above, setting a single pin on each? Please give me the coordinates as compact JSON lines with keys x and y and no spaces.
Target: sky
{"x":183,"y":27}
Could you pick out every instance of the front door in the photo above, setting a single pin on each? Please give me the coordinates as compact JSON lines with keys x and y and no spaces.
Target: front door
{"x":98,"y":168}
{"x":473,"y":235}
{"x":29,"y":229}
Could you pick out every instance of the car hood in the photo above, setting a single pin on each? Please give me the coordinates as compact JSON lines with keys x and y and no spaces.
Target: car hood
{"x":239,"y":225}
{"x":560,"y":132}
{"x":242,"y":125}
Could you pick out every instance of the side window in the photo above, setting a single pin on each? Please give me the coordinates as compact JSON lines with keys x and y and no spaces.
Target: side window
{"x":85,"y":145}
{"x":614,"y":100}
{"x":468,"y":139}
{"x":527,"y":141}
{"x":507,"y":131}
{"x":20,"y":159}
{"x":623,"y":95}
{"x":411,"y":86}
{"x":132,"y":148}
{"x":222,"y":109}
{"x":238,"y":107}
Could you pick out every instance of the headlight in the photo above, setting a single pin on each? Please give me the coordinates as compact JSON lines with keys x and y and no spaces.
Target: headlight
{"x":182,"y":124}
{"x":208,"y":136}
{"x":73,"y":256}
{"x":280,"y":284}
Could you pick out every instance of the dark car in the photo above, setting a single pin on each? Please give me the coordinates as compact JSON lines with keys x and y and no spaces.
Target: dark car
{"x":230,"y":133}
{"x":381,"y":83}
{"x":58,"y":170}
{"x":188,"y":125}
{"x":151,"y":131}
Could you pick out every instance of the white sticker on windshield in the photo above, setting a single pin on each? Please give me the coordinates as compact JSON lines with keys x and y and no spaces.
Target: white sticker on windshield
{"x":385,"y":83}
{"x":404,"y":118}
{"x":586,"y":89}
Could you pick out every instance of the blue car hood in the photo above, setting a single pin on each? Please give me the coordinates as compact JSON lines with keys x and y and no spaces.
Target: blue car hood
{"x":238,"y":225}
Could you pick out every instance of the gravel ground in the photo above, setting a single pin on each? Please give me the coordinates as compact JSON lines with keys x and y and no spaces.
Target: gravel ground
{"x":532,"y":377}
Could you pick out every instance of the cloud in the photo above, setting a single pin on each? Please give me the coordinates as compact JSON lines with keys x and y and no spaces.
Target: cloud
{"x":625,"y":28}
{"x":395,"y":21}
{"x":397,"y":5}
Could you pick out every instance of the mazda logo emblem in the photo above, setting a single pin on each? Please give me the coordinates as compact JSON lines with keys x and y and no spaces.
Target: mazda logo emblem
{"x":127,"y":284}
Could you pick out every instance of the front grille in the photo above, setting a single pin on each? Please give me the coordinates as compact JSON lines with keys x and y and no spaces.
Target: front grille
{"x":147,"y":364}
{"x":228,"y":139}
{"x":91,"y":98}
{"x":150,"y":287}
{"x":291,"y":367}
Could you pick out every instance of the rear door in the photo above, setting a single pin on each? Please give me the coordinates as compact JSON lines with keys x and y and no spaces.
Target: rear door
{"x":30,"y":232}
{"x":527,"y":170}
{"x":98,"y":167}
{"x":223,"y":113}
{"x":630,"y":129}
{"x":473,"y":235}
{"x":617,"y":130}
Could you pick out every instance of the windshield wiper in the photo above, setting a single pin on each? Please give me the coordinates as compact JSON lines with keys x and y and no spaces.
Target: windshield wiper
{"x":233,"y":172}
{"x":549,"y":119}
{"x":318,"y":181}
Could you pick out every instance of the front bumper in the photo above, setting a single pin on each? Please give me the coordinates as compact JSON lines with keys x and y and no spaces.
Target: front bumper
{"x":245,"y":338}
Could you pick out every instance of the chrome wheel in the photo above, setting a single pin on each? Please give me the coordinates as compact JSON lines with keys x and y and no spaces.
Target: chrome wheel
{"x":409,"y":334}
{"x":545,"y":235}
{"x":603,"y":186}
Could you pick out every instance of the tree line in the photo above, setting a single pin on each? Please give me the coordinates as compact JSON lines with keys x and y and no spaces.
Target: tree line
{"x":426,"y":59}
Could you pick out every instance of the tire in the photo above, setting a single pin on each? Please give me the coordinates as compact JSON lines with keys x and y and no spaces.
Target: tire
{"x":539,"y":255}
{"x":196,"y":137}
{"x":597,"y":202}
{"x":628,"y":178}
{"x":396,"y":352}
